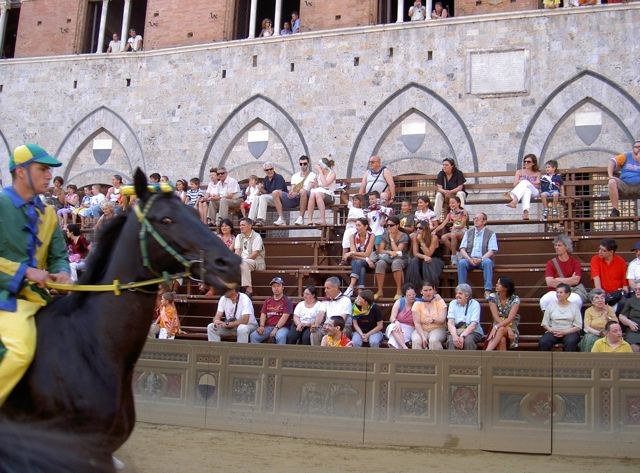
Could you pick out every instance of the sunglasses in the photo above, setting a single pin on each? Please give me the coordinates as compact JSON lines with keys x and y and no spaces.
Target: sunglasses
{"x":221,"y":173}
{"x":528,"y":162}
{"x":389,"y":225}
{"x":419,"y":228}
{"x":267,"y":170}
{"x":304,"y":164}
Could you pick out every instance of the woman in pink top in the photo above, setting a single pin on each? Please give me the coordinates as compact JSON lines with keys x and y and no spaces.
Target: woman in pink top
{"x":527,"y":185}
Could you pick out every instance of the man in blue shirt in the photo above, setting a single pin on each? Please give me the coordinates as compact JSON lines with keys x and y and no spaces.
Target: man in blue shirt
{"x":628,"y":184}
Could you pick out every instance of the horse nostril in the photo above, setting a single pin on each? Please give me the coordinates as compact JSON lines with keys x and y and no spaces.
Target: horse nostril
{"x":220,"y":262}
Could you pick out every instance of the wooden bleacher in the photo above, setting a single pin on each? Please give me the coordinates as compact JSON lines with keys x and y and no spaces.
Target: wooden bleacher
{"x":308,"y":255}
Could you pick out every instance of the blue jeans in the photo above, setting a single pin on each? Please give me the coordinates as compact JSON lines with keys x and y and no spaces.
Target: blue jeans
{"x":464,"y":266}
{"x":359,"y":269}
{"x":374,"y":339}
{"x":281,"y":335}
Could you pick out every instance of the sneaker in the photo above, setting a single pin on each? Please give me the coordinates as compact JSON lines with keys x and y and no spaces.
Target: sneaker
{"x":487,"y":293}
{"x":299,"y":221}
{"x":348,"y":292}
{"x":545,"y":214}
{"x":280,"y":222}
{"x":614,"y":213}
{"x":259,"y":222}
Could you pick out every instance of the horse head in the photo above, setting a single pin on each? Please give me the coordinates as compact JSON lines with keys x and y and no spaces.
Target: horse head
{"x":173,"y":240}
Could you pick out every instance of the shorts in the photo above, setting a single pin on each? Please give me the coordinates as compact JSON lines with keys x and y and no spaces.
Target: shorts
{"x":288,"y":202}
{"x":627,"y":189}
{"x":551,"y":192}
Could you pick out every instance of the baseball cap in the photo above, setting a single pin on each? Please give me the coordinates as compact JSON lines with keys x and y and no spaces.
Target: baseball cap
{"x":636,"y":246}
{"x":277,"y":280}
{"x":24,"y":155}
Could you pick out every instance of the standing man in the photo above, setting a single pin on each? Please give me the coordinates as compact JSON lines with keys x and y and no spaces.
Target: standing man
{"x":377,"y":178}
{"x":417,"y":12}
{"x":274,"y":316}
{"x":628,"y":184}
{"x":295,"y":22}
{"x":33,"y":253}
{"x":299,"y":193}
{"x":227,"y":195}
{"x":239,"y":318}
{"x":134,"y":43}
{"x":115,"y":46}
{"x":249,"y":247}
{"x":478,"y":247}
{"x":271,"y":182}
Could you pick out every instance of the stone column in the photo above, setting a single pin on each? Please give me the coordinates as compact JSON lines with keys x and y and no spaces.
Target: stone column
{"x":429,"y":6}
{"x":252,"y":18}
{"x":277,"y":18}
{"x":400,"y":18}
{"x":103,"y":26}
{"x":4,"y":13}
{"x":125,"y":22}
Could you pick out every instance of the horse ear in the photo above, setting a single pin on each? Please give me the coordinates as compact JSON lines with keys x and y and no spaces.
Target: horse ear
{"x":140,"y":184}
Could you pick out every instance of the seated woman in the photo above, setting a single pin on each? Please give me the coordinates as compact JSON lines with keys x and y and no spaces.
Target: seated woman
{"x":401,"y":324}
{"x":367,"y":321}
{"x":449,"y":183}
{"x":71,"y":203}
{"x":361,"y":249}
{"x":392,"y":253}
{"x":463,"y":321}
{"x":595,"y":319}
{"x":307,"y":319}
{"x":527,"y":183}
{"x":612,"y":342}
{"x":562,"y":322}
{"x":108,"y":212}
{"x":504,"y":305}
{"x":458,"y":218}
{"x":429,"y":319}
{"x":322,"y":190}
{"x":226,"y":233}
{"x":630,"y":316}
{"x":78,"y":249}
{"x":426,"y":263}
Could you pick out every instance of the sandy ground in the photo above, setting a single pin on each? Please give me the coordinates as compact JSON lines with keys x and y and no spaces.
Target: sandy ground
{"x":168,"y":449}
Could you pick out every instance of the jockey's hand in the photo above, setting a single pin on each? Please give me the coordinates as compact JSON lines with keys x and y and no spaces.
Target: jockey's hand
{"x":38,"y":276}
{"x":61,"y":278}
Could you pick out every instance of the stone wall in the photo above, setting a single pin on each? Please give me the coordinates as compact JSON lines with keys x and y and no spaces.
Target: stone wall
{"x":578,"y":404}
{"x":484,"y":91}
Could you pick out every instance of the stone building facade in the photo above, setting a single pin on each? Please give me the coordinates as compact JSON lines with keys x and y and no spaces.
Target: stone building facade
{"x":54,"y":27}
{"x":483,"y":90}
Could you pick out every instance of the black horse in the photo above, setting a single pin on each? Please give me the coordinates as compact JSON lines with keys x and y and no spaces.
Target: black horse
{"x":88,"y":342}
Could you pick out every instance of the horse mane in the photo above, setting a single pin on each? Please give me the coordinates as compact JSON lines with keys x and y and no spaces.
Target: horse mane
{"x":105,"y":242}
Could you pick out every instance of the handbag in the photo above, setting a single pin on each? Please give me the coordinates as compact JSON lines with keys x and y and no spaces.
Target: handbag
{"x":613,"y":297}
{"x":579,"y":290}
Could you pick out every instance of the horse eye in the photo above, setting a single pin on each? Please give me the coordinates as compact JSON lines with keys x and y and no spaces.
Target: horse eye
{"x":167,"y":221}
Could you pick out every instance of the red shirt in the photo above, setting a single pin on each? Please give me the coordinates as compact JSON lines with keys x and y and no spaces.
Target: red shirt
{"x":612,"y":275}
{"x":572,"y":265}
{"x":274,"y":309}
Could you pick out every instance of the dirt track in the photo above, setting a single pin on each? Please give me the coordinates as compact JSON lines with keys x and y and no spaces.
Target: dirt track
{"x":169,"y":449}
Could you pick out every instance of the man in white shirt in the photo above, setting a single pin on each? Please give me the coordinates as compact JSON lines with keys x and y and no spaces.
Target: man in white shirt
{"x":249,"y":247}
{"x":417,"y":12}
{"x":239,"y":318}
{"x":115,"y":45}
{"x":134,"y":43}
{"x":336,"y":304}
{"x":633,"y":270}
{"x":226,"y":195}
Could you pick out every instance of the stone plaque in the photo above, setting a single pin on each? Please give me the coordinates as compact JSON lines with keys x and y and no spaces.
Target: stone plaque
{"x":498,"y":72}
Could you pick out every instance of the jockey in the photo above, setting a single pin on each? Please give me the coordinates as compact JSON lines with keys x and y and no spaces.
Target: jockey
{"x":32,"y":252}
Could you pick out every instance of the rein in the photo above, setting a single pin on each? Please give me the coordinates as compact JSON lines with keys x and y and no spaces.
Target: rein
{"x":146,"y":229}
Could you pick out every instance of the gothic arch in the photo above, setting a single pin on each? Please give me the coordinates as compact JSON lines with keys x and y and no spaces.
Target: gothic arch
{"x":256,"y":109}
{"x":5,"y":152}
{"x":418,"y":99}
{"x":101,"y":120}
{"x":586,"y":87}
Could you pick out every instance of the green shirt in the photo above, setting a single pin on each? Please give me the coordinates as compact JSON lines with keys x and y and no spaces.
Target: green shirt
{"x":29,"y":237}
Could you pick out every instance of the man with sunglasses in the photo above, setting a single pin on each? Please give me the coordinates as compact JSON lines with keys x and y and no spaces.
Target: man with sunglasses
{"x":227,"y":195}
{"x":299,"y":193}
{"x":271,"y":182}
